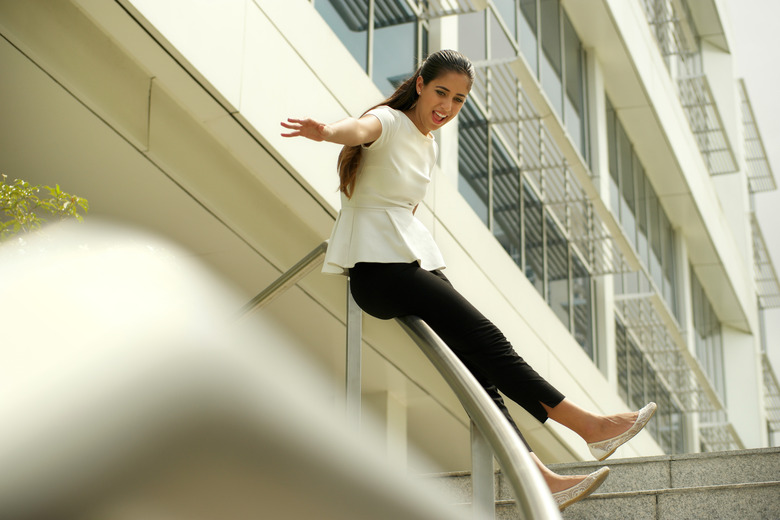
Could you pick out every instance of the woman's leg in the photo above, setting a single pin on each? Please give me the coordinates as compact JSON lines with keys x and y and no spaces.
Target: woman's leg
{"x":591,"y":427}
{"x":392,"y":290}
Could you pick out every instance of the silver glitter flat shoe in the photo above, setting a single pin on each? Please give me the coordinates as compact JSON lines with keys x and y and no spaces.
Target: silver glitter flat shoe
{"x":603,"y":449}
{"x":580,"y":490}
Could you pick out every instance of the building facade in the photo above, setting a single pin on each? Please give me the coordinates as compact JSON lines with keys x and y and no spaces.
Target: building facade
{"x":594,"y":198}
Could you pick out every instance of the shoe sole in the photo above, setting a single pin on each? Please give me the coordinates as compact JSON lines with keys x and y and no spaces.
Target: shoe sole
{"x":588,"y":491}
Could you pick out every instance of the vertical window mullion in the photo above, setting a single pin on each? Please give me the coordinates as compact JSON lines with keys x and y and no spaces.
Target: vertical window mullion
{"x":491,"y":179}
{"x":545,"y":255}
{"x":570,"y":275}
{"x":538,"y":39}
{"x":523,"y":224}
{"x":563,"y":63}
{"x":370,"y":39}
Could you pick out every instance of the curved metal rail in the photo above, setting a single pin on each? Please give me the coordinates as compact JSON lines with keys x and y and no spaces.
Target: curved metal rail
{"x":533,"y":497}
{"x":289,"y":278}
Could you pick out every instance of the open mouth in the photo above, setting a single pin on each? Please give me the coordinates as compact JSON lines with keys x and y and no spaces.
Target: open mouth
{"x":438,"y":117}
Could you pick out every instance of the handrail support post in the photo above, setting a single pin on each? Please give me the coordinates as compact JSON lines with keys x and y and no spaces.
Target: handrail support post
{"x":483,"y":482}
{"x":354,"y":359}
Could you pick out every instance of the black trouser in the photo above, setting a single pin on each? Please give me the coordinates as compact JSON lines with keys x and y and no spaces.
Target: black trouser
{"x":391,"y":290}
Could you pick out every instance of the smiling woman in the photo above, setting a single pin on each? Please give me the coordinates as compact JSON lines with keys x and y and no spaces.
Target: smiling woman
{"x":439,"y":101}
{"x":395,"y":266}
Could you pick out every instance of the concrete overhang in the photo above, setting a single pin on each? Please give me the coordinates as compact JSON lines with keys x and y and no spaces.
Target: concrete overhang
{"x":709,"y":24}
{"x":646,"y":99}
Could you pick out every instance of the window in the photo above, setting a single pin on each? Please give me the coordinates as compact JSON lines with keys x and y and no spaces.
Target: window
{"x":582,"y":305}
{"x":395,"y":56}
{"x":507,"y":10}
{"x":551,"y":66}
{"x":528,"y":33}
{"x":471,"y":35}
{"x":557,"y":272}
{"x":473,"y":159}
{"x":642,"y":185}
{"x":614,"y":184}
{"x":533,"y":237}
{"x":574,"y":101}
{"x":636,"y":205}
{"x":626,"y":175}
{"x":394,"y":53}
{"x":506,"y":201}
{"x":500,"y":42}
{"x":708,"y":337}
{"x":505,"y":159}
{"x":638,"y":383}
{"x":350,"y":25}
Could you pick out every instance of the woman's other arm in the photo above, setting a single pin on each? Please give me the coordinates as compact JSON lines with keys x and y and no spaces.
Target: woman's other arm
{"x":349,"y":131}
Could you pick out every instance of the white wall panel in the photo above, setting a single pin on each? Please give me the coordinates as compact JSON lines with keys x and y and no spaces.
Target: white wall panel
{"x":210,"y":35}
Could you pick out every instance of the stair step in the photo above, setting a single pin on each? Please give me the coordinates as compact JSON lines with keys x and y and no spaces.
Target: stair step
{"x":681,"y":471}
{"x":738,"y":485}
{"x":752,"y":501}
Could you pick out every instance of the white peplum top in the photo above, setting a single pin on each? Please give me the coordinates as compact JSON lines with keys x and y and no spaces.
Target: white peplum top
{"x":377,"y":223}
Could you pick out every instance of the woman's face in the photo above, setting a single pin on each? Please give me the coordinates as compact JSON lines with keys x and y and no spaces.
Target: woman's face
{"x":440,"y":100}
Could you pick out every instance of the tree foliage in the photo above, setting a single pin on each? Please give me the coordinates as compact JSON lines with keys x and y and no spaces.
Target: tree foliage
{"x":25,"y":208}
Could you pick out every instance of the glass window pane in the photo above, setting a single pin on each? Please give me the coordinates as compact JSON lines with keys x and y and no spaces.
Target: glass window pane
{"x":500,"y":45}
{"x":349,"y":21}
{"x":655,"y":239}
{"x":557,"y":272}
{"x":636,"y":367}
{"x":621,"y":347}
{"x":473,"y":159}
{"x":573,"y":56}
{"x":534,"y":245}
{"x":582,"y":305}
{"x":507,"y":10}
{"x":638,"y":383}
{"x":388,"y":13}
{"x":626,"y":171}
{"x":550,"y":67}
{"x":471,"y":35}
{"x":395,"y":56}
{"x":506,"y":201}
{"x":614,"y":185}
{"x":574,"y":113}
{"x":472,"y":43}
{"x":708,"y":338}
{"x":574,"y":126}
{"x":641,"y":210}
{"x":667,"y":234}
{"x":528,"y":33}
{"x":551,"y":34}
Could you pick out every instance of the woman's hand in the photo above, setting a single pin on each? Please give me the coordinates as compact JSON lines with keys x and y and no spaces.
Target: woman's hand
{"x":308,"y":128}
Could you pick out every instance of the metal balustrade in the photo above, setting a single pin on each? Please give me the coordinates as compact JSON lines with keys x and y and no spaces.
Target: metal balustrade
{"x":491,"y":433}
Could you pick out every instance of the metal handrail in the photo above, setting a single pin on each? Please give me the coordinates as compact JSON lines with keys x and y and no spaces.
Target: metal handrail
{"x":289,"y":278}
{"x":533,"y":496}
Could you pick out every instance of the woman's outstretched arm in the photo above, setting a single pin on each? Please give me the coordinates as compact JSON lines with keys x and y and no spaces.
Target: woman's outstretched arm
{"x":349,"y":131}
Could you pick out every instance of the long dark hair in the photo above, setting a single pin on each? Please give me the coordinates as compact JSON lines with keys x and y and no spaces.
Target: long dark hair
{"x":404,"y":98}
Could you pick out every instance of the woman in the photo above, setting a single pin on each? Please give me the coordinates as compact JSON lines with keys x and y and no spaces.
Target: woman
{"x":395,"y":266}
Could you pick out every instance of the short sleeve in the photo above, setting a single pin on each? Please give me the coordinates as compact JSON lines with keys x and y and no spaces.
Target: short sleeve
{"x":388,"y":118}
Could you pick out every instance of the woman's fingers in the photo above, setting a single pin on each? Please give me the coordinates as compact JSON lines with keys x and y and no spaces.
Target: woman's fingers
{"x":292,"y":124}
{"x":308,"y":128}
